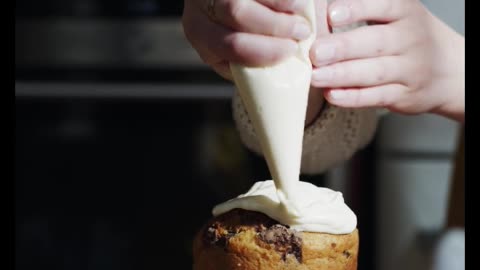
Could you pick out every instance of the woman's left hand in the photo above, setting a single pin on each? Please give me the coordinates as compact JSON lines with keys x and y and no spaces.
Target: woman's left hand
{"x":408,"y":61}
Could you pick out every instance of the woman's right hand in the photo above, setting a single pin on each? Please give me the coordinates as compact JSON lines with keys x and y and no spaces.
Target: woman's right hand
{"x":247,"y":32}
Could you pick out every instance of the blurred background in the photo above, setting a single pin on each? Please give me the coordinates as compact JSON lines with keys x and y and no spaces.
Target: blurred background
{"x":115,"y":112}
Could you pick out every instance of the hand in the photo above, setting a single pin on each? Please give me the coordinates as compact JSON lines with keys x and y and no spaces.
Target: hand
{"x":248,"y":32}
{"x":253,"y":33}
{"x":408,"y":61}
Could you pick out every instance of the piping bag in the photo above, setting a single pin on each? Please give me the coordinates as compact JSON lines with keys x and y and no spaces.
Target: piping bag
{"x":275,"y":98}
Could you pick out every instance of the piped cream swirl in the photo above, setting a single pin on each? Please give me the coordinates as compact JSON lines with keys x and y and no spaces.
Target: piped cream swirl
{"x":320,"y":209}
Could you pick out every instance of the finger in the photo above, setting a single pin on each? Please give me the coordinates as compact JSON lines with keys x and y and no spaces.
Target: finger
{"x":194,"y":27}
{"x":255,"y":50}
{"x":322,"y":27}
{"x":343,"y":12}
{"x":384,"y":96}
{"x":223,"y":69}
{"x":321,"y":18}
{"x":293,"y":6}
{"x":214,"y":42}
{"x":363,"y":42}
{"x":361,"y":73}
{"x":220,"y":67}
{"x":252,"y":17}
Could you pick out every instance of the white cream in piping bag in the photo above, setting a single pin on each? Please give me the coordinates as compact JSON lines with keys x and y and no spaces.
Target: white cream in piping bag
{"x":276,"y":98}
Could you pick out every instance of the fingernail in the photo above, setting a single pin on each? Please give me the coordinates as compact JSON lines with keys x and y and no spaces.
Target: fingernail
{"x":339,"y":14}
{"x":337,"y":94}
{"x":301,"y":31}
{"x":322,"y":74}
{"x":324,"y":52}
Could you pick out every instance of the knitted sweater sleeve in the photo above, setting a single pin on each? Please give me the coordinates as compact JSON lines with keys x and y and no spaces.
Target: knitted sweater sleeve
{"x":331,"y":139}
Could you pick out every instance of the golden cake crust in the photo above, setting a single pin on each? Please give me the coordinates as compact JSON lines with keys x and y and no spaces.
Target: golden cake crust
{"x":248,"y":240}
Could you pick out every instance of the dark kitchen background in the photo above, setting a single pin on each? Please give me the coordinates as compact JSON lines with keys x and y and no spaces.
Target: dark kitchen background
{"x":115,"y":112}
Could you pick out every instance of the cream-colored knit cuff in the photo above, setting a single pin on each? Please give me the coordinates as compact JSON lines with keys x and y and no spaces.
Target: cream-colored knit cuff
{"x":335,"y":136}
{"x":331,"y":139}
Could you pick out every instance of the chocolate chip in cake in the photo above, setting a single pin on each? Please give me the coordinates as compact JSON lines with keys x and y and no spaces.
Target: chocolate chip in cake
{"x":281,"y":237}
{"x":285,"y":241}
{"x":346,"y":253}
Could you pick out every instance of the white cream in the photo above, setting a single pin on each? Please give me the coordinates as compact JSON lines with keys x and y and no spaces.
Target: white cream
{"x":323,"y":210}
{"x":276,"y":98}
